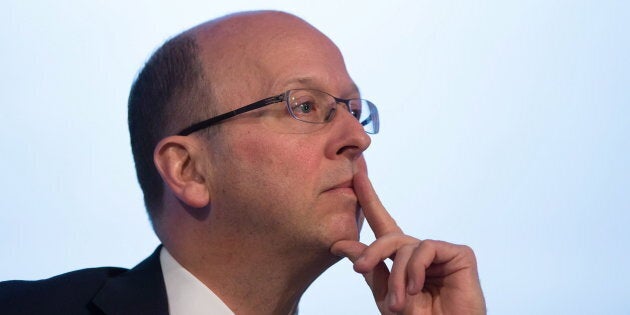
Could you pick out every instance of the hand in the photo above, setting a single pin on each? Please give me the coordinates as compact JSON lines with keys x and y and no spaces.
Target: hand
{"x":427,"y":277}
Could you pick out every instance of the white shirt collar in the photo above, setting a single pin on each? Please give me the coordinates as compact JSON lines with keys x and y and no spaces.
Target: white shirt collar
{"x":186,"y":294}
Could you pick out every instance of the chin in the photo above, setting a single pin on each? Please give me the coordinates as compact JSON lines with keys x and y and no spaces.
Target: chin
{"x":343,"y":227}
{"x":338,"y":220}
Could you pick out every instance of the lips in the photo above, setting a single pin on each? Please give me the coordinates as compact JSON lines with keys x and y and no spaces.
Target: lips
{"x":344,"y":186}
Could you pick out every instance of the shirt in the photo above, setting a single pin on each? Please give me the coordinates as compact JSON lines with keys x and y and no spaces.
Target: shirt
{"x":186,"y":294}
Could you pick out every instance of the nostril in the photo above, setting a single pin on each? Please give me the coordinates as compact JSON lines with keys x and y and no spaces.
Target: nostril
{"x":347,"y":148}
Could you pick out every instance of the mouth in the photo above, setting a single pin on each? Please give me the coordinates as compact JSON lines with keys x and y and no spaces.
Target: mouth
{"x":344,"y":187}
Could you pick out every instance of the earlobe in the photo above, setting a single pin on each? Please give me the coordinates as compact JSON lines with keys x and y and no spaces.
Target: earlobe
{"x":176,"y":159}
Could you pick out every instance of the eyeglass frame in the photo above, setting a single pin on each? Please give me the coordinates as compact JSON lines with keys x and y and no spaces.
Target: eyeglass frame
{"x":277,"y":99}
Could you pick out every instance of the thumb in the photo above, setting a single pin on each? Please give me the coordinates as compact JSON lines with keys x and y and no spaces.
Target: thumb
{"x":346,"y":248}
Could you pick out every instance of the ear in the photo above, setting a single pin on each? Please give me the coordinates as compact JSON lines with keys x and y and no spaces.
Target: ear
{"x":177,"y":161}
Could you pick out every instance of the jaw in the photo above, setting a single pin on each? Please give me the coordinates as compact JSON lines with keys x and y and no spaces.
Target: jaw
{"x":340,"y":220}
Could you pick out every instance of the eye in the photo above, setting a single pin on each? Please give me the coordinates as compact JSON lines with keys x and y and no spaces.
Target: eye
{"x":303,"y":108}
{"x":354,"y":107}
{"x":306,"y":105}
{"x":355,"y":113}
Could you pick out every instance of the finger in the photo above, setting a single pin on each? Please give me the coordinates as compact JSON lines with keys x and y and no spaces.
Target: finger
{"x":384,"y":247}
{"x":420,"y":260}
{"x":436,"y":259}
{"x":376,"y":278}
{"x":375,"y":213}
{"x":396,"y":296}
{"x":438,"y":267}
{"x":347,"y":248}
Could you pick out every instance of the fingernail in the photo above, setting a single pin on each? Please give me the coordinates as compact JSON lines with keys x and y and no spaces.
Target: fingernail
{"x":411,"y":286}
{"x":392,"y":299}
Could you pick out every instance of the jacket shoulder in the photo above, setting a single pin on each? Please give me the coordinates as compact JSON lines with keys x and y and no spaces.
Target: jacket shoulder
{"x":66,"y":293}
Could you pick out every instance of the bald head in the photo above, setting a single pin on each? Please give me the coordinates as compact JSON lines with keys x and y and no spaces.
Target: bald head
{"x":247,"y":50}
{"x":217,"y":66}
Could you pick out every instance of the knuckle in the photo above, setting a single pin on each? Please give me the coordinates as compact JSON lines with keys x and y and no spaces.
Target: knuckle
{"x":467,"y":250}
{"x":429,"y":243}
{"x":467,"y":254}
{"x":409,"y":247}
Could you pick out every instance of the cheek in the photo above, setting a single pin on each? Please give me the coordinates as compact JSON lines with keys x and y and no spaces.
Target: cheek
{"x":259,"y":158}
{"x":265,"y":167}
{"x":305,"y":161}
{"x":269,"y":182}
{"x":281,"y":160}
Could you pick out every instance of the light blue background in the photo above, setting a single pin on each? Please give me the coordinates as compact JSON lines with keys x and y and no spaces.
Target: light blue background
{"x":505,"y":126}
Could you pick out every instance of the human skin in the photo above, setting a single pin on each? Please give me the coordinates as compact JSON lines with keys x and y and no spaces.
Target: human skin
{"x":427,"y":277}
{"x":257,"y":214}
{"x":252,"y":212}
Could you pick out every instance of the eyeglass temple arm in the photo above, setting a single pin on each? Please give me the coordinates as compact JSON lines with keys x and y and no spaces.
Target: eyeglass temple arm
{"x":209,"y":122}
{"x":366,"y":121}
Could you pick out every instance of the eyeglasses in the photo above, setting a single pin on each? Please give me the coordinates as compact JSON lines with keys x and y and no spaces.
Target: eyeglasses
{"x":304,"y":106}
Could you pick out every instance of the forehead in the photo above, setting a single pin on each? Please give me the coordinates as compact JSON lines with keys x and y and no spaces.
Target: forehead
{"x":253,"y":56}
{"x":307,"y":62}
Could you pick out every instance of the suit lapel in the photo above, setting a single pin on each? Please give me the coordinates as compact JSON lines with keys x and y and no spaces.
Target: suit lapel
{"x":141,"y":290}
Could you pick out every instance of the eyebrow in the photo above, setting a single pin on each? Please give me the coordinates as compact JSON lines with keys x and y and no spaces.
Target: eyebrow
{"x":312,"y":82}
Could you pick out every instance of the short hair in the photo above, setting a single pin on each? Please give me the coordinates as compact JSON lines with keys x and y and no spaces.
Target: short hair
{"x":168,"y":94}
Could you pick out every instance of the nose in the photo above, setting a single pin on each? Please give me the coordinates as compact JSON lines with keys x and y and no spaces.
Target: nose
{"x":348,"y":138}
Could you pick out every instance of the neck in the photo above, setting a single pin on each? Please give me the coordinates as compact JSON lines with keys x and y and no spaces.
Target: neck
{"x":247,"y":274}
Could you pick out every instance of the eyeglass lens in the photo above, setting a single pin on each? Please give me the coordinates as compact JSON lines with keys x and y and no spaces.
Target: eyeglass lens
{"x":318,"y":107}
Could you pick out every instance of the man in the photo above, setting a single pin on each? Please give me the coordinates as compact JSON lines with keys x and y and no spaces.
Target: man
{"x":253,"y":202}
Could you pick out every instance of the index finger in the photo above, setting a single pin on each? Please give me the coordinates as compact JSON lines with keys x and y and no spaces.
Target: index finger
{"x":375,"y":213}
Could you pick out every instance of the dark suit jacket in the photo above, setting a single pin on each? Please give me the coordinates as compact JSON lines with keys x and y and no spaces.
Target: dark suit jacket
{"x":107,"y":290}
